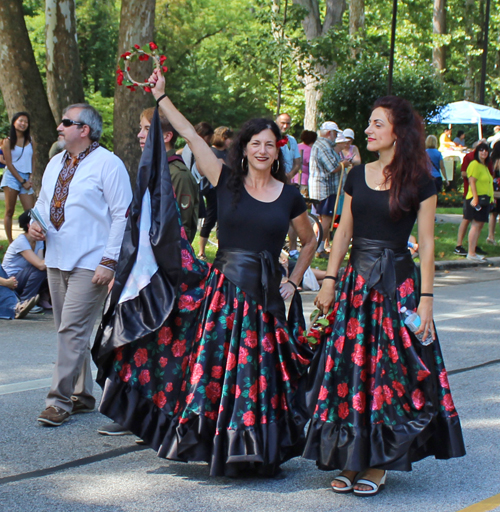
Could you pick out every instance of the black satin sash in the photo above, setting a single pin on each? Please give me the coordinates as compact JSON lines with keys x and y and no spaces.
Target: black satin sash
{"x":383,"y":264}
{"x":257,"y":274}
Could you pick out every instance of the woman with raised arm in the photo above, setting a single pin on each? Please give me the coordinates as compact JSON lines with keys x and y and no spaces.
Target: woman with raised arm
{"x":220,"y":381}
{"x":20,"y":160}
{"x":381,"y":397}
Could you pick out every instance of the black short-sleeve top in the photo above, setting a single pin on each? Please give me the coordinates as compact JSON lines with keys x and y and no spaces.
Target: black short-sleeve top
{"x":370,"y":209}
{"x":254,"y":225}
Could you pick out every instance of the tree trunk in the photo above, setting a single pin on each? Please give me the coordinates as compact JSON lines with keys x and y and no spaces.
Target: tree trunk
{"x":356,"y":21}
{"x":439,"y":28}
{"x":21,"y":83}
{"x":469,"y":59}
{"x":136,"y":27}
{"x":317,"y":72}
{"x":64,"y":76}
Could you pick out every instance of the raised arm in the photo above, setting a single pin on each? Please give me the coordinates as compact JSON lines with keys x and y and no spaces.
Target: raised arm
{"x":206,"y":161}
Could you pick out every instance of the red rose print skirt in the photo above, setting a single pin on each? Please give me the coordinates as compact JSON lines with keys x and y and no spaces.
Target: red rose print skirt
{"x":380,"y":398}
{"x":219,"y":382}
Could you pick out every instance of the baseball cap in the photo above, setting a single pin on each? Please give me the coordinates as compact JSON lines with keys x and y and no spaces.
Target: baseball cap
{"x":349,"y":133}
{"x":330,"y":125}
{"x":340,"y":138}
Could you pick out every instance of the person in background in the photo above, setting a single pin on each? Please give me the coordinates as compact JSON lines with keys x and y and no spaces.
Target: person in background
{"x":351,"y":152}
{"x":495,"y":137}
{"x":20,"y":161}
{"x":206,"y":132}
{"x":290,"y":150}
{"x":495,"y":160}
{"x":445,"y":142}
{"x":459,"y":140}
{"x":24,"y":260}
{"x":10,"y":305}
{"x":183,"y":182}
{"x":464,"y":224}
{"x":308,"y":138}
{"x":479,"y":197}
{"x":2,"y":160}
{"x":221,"y":140}
{"x":438,"y":171}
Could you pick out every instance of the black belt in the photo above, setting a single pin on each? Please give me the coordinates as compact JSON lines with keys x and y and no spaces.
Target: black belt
{"x":257,"y":274}
{"x":382,"y":264}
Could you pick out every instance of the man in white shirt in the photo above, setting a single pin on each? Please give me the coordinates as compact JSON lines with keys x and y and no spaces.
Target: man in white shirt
{"x":290,"y":151}
{"x":83,"y":203}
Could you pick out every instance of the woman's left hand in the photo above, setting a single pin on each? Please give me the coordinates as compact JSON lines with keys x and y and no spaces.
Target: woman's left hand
{"x":424,"y":311}
{"x":287,"y":289}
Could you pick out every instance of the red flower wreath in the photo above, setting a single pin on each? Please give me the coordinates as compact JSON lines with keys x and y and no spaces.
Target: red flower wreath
{"x":143,"y":53}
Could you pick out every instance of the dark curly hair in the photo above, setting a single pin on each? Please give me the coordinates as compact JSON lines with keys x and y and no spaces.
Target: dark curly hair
{"x":237,"y":161}
{"x":409,"y":167}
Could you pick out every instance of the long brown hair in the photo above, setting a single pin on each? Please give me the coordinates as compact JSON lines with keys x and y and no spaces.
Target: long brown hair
{"x":409,"y":167}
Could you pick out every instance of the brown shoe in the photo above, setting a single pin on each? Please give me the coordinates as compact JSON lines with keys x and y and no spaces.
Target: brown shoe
{"x":53,"y":416}
{"x":79,"y":407}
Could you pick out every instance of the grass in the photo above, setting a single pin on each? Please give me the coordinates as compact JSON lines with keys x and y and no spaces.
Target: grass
{"x":456,"y":210}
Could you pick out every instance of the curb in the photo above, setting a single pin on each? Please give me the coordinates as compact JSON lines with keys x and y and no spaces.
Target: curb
{"x":465,"y":263}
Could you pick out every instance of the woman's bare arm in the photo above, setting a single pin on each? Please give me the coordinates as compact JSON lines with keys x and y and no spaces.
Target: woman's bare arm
{"x":206,"y":161}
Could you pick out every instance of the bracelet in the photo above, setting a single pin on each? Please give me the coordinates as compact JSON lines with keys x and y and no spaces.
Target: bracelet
{"x":293,"y":284}
{"x":160,"y":98}
{"x":426,"y":295}
{"x":335,"y":278}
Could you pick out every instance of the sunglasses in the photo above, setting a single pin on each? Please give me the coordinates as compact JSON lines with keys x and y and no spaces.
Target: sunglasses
{"x":69,"y":122}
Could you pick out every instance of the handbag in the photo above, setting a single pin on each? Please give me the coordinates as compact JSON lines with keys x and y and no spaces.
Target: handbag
{"x":484,"y":200}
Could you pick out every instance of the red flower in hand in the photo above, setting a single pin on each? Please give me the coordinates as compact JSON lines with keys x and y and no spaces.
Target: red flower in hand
{"x":143,"y":57}
{"x":282,"y":142}
{"x":153,"y":46}
{"x":164,"y":69}
{"x":137,"y":46}
{"x":125,"y":55}
{"x":162,"y":59}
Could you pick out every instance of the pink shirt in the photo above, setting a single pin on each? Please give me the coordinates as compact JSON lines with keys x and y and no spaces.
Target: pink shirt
{"x":305,"y":151}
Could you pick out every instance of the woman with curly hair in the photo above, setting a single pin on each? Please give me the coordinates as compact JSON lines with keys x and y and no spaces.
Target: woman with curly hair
{"x":381,"y":399}
{"x":219,"y":381}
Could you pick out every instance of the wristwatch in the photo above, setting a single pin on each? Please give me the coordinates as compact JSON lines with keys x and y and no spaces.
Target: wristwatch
{"x":24,"y":181}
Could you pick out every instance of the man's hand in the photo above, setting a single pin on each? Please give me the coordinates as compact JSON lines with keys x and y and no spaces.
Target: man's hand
{"x":36,"y":232}
{"x":102,"y":276}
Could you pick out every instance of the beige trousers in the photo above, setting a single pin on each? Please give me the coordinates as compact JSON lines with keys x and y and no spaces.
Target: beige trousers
{"x":76,"y":303}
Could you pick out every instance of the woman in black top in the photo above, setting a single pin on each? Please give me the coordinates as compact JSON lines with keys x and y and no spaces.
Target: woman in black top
{"x":381,"y":399}
{"x":220,"y":381}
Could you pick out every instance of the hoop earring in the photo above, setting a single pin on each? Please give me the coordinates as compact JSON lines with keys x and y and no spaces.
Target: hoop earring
{"x":275,"y":168}
{"x":243,"y":165}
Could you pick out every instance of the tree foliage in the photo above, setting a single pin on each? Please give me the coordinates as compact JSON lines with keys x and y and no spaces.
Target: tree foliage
{"x":349,"y":95}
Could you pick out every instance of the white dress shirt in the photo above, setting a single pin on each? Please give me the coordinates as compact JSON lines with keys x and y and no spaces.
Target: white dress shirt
{"x":95,"y":211}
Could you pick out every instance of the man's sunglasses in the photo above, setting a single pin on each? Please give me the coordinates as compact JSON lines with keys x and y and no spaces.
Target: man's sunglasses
{"x":69,"y":122}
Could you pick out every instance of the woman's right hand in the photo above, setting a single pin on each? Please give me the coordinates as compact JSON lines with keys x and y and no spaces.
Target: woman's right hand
{"x":326,"y":296}
{"x":158,"y":80}
{"x":474,"y":201}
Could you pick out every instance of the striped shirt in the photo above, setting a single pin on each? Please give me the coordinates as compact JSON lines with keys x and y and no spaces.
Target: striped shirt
{"x":323,"y":161}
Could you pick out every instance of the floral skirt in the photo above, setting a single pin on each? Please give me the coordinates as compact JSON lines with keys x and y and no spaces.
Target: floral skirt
{"x":380,"y":398}
{"x":219,"y":382}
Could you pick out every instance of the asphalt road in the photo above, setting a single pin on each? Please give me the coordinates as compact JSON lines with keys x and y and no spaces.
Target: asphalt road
{"x":72,"y":468}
